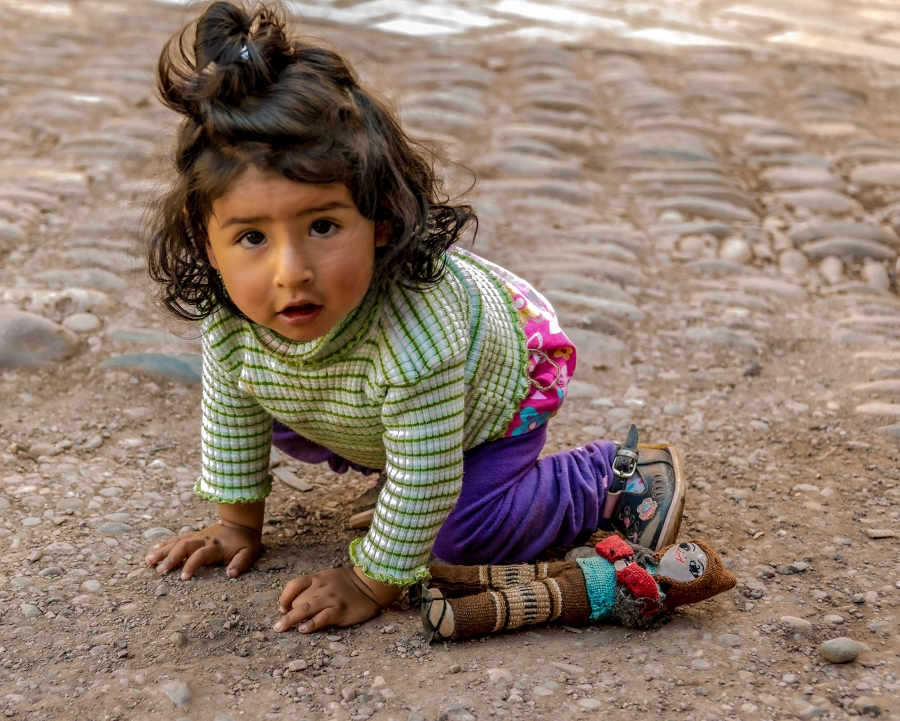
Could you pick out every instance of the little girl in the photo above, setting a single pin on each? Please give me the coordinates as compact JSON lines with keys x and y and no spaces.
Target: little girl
{"x":304,"y":230}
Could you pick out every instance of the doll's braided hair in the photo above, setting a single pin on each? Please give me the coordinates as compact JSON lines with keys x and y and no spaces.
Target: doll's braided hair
{"x":251,"y":95}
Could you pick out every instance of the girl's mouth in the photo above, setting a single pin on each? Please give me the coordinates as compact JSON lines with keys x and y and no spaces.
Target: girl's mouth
{"x":300,"y":314}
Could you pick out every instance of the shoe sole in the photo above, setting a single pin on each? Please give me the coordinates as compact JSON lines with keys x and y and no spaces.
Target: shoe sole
{"x":672,"y":525}
{"x":362,"y":519}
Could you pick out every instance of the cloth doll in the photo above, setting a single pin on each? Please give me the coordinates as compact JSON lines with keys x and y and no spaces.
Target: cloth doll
{"x":623,"y":583}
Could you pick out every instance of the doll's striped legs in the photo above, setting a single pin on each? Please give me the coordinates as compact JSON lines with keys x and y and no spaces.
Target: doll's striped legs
{"x":510,"y":597}
{"x":455,"y":581}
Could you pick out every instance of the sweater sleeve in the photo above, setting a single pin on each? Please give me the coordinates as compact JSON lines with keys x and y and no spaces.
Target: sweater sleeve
{"x":423,"y":440}
{"x":236,"y":437}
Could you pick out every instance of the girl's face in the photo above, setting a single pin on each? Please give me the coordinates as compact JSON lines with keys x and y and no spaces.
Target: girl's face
{"x":294,"y":257}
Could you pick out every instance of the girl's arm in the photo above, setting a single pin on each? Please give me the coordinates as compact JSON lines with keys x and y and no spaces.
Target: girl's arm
{"x":235,"y":440}
{"x":423,"y":442}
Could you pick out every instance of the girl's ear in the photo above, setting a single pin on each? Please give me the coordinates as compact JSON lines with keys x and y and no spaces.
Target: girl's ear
{"x":382,"y":233}
{"x":212,"y":257}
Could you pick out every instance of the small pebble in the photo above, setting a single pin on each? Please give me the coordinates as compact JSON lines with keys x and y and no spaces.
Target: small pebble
{"x":840,"y":650}
{"x":797,"y":625}
{"x":30,"y":611}
{"x":178,"y":692}
{"x":589,"y":704}
{"x":499,"y":675}
{"x":866,"y":706}
{"x":880,"y":533}
{"x":179,"y":639}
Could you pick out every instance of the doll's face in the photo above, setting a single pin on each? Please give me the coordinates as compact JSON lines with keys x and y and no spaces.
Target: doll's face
{"x":683,"y":562}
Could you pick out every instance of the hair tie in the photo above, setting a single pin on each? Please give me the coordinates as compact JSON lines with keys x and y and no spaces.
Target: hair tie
{"x":245,"y":54}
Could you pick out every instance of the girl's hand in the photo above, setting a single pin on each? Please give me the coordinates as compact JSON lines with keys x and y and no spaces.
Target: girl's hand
{"x":235,"y":540}
{"x":237,"y":546}
{"x":337,"y":597}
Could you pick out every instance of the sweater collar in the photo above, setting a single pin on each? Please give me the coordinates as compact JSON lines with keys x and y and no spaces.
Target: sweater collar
{"x":339,"y":340}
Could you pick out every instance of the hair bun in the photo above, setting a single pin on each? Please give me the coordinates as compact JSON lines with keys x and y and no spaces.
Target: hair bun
{"x":237,"y":53}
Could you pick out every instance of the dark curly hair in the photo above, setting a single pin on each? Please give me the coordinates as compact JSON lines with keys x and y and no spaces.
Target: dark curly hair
{"x":253,"y":96}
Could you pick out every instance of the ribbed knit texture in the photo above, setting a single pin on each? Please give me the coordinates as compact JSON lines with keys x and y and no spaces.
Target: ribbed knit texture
{"x":600,"y":581}
{"x":407,"y":382}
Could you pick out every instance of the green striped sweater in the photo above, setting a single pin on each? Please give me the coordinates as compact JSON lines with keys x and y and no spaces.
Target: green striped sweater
{"x":406,"y":382}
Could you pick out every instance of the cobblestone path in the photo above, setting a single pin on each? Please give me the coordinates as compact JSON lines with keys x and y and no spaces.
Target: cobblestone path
{"x":716,"y":222}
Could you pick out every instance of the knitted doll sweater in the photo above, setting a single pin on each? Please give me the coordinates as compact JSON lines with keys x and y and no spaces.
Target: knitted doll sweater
{"x":406,"y":382}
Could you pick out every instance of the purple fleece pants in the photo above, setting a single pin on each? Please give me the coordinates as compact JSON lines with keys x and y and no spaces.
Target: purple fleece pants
{"x":513,"y":506}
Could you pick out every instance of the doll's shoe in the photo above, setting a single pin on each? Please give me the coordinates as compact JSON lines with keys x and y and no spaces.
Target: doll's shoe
{"x":437,"y":614}
{"x":363,"y":509}
{"x":645,"y":501}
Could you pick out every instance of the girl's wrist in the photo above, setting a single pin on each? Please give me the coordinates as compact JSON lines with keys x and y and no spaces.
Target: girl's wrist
{"x":384,"y":594}
{"x":243,"y":516}
{"x":239,"y":526}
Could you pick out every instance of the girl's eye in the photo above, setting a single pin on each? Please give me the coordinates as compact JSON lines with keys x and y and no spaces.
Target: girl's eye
{"x":253,"y":239}
{"x":323,"y":229}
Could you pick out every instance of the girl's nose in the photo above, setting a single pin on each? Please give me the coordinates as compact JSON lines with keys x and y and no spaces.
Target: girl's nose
{"x":292,"y":269}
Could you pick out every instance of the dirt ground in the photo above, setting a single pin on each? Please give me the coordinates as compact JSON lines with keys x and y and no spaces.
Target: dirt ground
{"x":716,"y":226}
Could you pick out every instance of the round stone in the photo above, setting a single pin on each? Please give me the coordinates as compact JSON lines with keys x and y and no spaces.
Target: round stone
{"x":30,"y":610}
{"x":877,"y":174}
{"x":876,"y":275}
{"x":789,"y":178}
{"x":858,"y":248}
{"x":792,"y":262}
{"x":91,"y":586}
{"x":82,"y":322}
{"x":821,"y":200}
{"x":832,"y":270}
{"x":178,"y":692}
{"x":115,"y":527}
{"x":797,"y":625}
{"x":735,"y":250}
{"x":499,"y":676}
{"x":11,"y":235}
{"x":27,"y":339}
{"x":60,"y":548}
{"x":153,"y":534}
{"x":692,"y":246}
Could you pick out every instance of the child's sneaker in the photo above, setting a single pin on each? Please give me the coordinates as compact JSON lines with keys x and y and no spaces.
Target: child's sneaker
{"x":646,"y":497}
{"x":363,"y":509}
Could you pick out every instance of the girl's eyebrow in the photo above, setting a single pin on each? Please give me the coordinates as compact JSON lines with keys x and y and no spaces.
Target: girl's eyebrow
{"x":334,"y":205}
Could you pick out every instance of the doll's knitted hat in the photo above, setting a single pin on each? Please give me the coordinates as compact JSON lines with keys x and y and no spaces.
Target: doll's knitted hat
{"x":714,"y":580}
